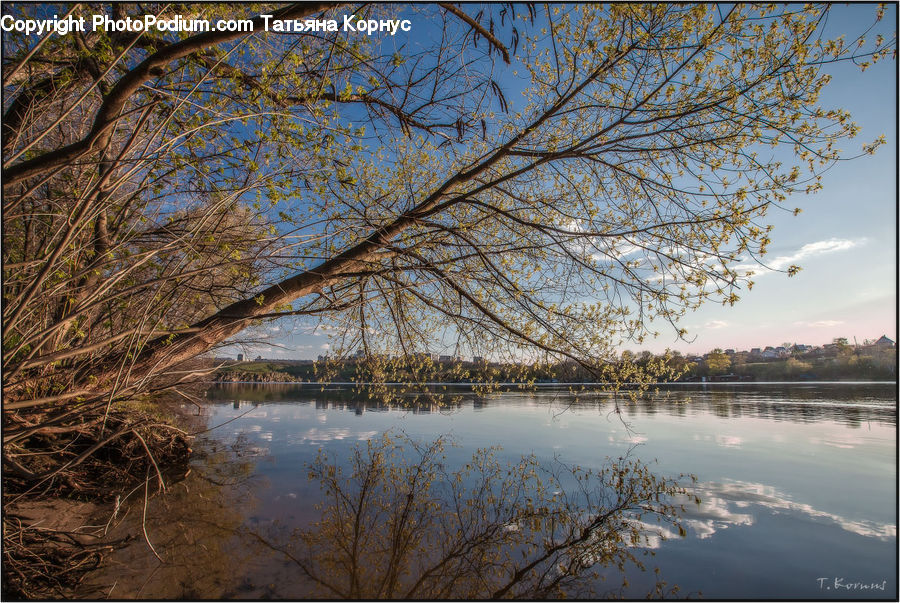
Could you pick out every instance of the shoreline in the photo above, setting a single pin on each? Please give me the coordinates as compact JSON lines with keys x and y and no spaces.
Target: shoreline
{"x":559,"y":384}
{"x":68,"y":529}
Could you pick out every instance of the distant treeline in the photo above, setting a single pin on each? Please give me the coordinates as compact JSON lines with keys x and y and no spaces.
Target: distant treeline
{"x":847,"y":364}
{"x":840,"y":363}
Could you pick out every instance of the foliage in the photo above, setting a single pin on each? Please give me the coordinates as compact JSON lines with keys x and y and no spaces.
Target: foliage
{"x":717,"y":362}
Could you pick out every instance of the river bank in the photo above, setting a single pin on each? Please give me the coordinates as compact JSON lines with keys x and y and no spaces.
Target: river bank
{"x":71,"y":485}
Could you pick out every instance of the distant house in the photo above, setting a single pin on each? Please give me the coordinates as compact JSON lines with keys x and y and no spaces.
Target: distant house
{"x":730,"y":352}
{"x":755,"y":352}
{"x":884,"y":342}
{"x":240,"y":357}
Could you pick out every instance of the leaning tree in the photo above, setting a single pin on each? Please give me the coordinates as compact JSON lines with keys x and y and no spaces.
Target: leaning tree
{"x":528,"y":181}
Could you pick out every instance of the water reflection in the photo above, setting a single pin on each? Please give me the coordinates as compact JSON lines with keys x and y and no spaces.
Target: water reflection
{"x":852,"y":404}
{"x":721,"y":502}
{"x":769,"y":459}
{"x":315,"y":436}
{"x":398,"y":522}
{"x":395,"y":520}
{"x":194,"y":529}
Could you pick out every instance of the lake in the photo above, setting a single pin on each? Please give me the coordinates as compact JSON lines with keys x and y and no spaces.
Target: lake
{"x":797,"y":482}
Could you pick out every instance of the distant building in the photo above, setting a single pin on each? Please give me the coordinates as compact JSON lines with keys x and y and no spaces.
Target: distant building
{"x":730,"y":351}
{"x":478,"y":359}
{"x":240,"y":358}
{"x":755,"y":352}
{"x":445,"y":358}
{"x":884,"y":342}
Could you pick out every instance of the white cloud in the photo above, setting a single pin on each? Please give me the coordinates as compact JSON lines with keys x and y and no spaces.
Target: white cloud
{"x":819,"y":323}
{"x":617,"y":250}
{"x":809,"y":250}
{"x":715,"y":324}
{"x":814,"y":249}
{"x":318,"y":330}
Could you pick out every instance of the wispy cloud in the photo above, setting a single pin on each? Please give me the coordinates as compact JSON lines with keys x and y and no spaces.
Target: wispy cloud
{"x":715,"y":324}
{"x":810,"y":250}
{"x":819,"y":323}
{"x":317,"y":330}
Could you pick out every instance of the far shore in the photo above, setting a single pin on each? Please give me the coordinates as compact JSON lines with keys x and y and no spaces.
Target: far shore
{"x":560,"y":383}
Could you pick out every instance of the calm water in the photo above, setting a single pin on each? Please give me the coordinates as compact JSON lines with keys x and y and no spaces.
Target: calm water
{"x":798,"y":482}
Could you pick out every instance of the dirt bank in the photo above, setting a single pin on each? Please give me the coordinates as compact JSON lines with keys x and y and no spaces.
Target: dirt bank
{"x":57,"y":511}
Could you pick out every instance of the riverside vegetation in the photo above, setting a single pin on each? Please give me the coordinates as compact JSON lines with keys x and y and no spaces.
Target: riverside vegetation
{"x":845,"y":364}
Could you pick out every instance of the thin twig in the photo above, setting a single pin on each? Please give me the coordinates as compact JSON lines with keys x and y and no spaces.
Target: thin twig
{"x":225,"y":423}
{"x":144,"y":518}
{"x":162,"y":484}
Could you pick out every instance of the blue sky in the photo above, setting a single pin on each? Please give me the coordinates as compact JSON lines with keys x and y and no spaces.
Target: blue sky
{"x":845,"y":240}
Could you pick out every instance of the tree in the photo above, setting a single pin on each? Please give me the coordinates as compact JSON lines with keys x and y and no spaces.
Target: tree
{"x":717,"y":362}
{"x":165,"y":191}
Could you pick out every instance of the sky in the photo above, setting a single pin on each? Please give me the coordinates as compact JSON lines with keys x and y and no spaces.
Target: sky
{"x":845,"y":240}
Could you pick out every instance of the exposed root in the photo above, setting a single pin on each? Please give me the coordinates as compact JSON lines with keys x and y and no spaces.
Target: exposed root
{"x":92,"y":458}
{"x":43,"y":563}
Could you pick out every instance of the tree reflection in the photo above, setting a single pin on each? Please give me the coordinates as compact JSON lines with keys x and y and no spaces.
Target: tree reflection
{"x":396,"y":522}
{"x":851,"y":404}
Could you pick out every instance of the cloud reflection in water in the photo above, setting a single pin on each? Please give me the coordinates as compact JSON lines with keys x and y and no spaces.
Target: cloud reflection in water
{"x":315,"y":435}
{"x":721,"y":501}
